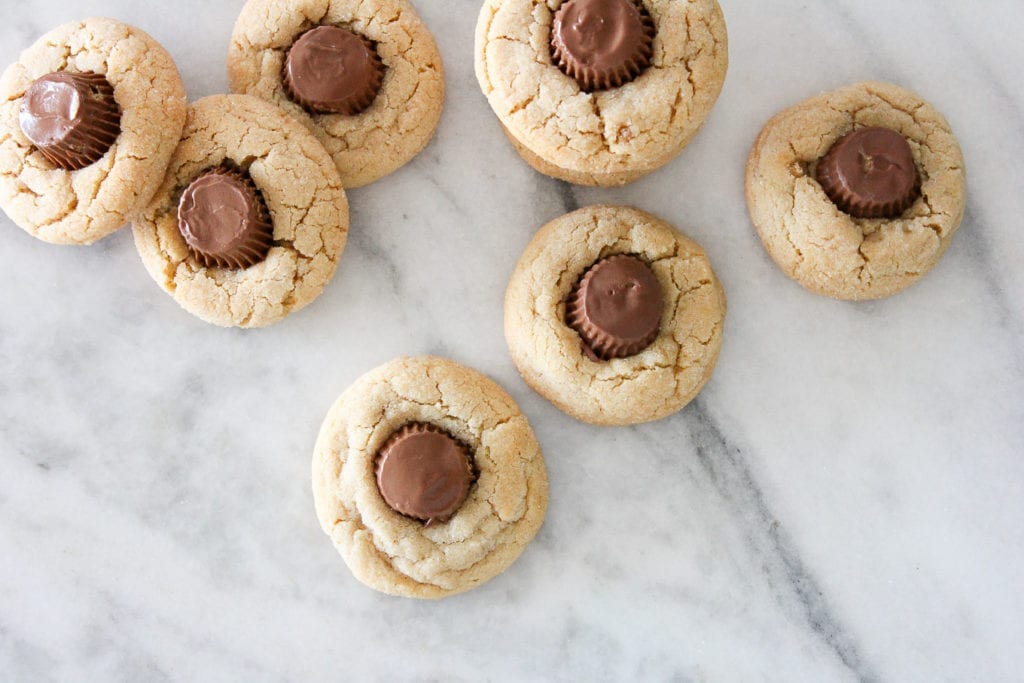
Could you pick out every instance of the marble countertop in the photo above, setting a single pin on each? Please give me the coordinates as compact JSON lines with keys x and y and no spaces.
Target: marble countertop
{"x":845,"y":500}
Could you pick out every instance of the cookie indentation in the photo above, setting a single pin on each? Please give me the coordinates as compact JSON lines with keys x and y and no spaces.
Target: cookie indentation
{"x":870,"y":173}
{"x":424,"y":473}
{"x":71,"y":118}
{"x":602,"y":44}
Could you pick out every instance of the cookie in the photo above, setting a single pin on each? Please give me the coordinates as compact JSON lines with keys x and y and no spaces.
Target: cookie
{"x":269,"y":166}
{"x":400,"y":438}
{"x":601,"y":106}
{"x":279,"y":48}
{"x":89,"y":117}
{"x":834,"y":197}
{"x":614,"y":316}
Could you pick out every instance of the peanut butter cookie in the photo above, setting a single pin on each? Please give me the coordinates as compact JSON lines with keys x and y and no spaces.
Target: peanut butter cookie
{"x":251,"y":219}
{"x":601,"y":92}
{"x":857,"y":193}
{"x":89,"y":117}
{"x":364,"y":76}
{"x":428,"y":478}
{"x":614,"y":316}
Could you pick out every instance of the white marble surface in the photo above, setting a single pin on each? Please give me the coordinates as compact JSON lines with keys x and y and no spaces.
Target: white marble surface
{"x":845,"y":501}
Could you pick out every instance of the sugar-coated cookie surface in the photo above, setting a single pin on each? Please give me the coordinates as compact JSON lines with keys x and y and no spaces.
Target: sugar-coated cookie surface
{"x":401,"y":119}
{"x":399,"y":555}
{"x":302,"y":190}
{"x":648,"y":386}
{"x":818,"y":245}
{"x":609,"y":137}
{"x":82,"y":206}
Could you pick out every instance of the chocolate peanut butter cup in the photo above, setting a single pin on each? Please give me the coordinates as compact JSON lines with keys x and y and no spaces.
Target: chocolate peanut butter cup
{"x":424,"y":473}
{"x":870,"y":173}
{"x":616,"y":307}
{"x":224,"y":220}
{"x":602,"y":44}
{"x":331,"y":70}
{"x":71,"y":118}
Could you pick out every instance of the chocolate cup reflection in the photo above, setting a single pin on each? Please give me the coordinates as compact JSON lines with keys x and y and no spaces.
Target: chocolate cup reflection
{"x":72,"y":118}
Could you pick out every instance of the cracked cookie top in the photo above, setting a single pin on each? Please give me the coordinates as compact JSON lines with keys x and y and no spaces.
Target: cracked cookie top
{"x":398,"y":120}
{"x":300,"y":187}
{"x":814,"y":239}
{"x":118,"y":168}
{"x":662,"y":376}
{"x":612,"y":136}
{"x":395,"y":553}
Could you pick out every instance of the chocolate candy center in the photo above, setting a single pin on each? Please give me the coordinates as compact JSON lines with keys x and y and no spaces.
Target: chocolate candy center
{"x":224,"y":221}
{"x":617,"y":306}
{"x":870,"y":173}
{"x":73,"y":119}
{"x":602,"y":43}
{"x":330,"y":70}
{"x":51,"y":109}
{"x":424,"y":473}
